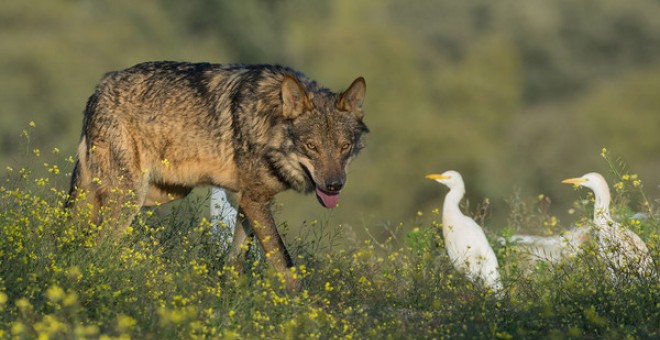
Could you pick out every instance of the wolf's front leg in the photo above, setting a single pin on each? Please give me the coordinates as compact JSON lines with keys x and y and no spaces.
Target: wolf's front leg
{"x":264,"y":228}
{"x":241,"y":241}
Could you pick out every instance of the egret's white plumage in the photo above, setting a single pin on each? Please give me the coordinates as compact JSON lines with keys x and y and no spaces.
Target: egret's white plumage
{"x":621,"y":247}
{"x":552,"y":248}
{"x":466,"y":243}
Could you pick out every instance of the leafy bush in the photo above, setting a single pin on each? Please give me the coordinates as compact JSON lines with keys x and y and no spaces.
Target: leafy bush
{"x":167,"y":277}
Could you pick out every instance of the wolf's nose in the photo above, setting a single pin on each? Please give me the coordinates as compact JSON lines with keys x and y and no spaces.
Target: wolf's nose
{"x":334,"y":185}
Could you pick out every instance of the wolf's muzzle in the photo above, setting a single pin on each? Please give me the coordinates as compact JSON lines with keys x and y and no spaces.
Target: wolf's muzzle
{"x":334,"y":185}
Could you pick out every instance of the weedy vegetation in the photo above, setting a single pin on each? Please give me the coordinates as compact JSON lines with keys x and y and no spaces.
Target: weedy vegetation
{"x":167,"y":278}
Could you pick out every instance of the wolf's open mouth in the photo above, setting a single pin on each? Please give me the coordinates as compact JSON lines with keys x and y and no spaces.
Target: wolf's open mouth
{"x":327,"y":199}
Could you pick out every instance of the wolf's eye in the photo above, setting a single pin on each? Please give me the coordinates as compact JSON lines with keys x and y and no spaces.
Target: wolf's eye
{"x":311,"y":146}
{"x":345,"y":146}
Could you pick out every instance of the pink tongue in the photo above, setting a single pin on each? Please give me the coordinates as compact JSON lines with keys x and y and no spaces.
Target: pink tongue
{"x":326,"y":199}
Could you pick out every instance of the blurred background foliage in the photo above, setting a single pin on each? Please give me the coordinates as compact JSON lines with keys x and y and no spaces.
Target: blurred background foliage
{"x":515,"y":95}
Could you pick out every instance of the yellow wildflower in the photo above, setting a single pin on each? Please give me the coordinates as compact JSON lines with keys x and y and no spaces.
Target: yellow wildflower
{"x":55,"y":293}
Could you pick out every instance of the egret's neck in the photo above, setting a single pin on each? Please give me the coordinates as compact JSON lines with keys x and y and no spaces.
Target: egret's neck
{"x":602,"y":207}
{"x":451,"y":204}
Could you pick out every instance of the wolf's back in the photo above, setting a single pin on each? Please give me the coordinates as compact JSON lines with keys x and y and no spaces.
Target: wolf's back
{"x":162,"y":98}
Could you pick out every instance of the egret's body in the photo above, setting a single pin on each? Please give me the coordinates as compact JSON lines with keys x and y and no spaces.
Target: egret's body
{"x":621,"y":247}
{"x":466,"y":243}
{"x":552,"y":248}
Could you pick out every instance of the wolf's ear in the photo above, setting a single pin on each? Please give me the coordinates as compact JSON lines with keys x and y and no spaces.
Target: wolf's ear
{"x":351,"y":100}
{"x":294,"y":98}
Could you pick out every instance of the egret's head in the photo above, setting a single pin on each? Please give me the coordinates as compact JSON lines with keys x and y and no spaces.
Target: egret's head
{"x":592,"y":180}
{"x":451,"y":178}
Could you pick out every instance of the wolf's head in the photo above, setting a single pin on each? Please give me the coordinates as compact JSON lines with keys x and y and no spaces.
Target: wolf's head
{"x":324,"y":130}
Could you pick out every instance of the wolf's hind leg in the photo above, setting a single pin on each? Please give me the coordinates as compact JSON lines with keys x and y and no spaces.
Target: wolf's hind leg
{"x":82,"y":201}
{"x":118,"y":182}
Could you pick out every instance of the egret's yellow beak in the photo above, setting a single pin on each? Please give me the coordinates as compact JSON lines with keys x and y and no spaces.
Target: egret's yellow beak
{"x":577,"y":180}
{"x":436,"y":176}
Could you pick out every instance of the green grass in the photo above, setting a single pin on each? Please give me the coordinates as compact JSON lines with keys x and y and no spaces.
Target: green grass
{"x":167,"y":279}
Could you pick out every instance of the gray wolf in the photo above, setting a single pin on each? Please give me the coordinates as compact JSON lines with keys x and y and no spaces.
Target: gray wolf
{"x":154,"y":131}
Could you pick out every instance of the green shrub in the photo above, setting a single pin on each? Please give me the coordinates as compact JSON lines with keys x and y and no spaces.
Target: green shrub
{"x":167,"y":277}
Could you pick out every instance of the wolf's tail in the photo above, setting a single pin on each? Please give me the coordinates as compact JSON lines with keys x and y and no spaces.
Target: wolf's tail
{"x":78,"y":174}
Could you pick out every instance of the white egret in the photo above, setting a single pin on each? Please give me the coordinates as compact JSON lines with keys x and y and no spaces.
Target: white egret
{"x":621,"y":247}
{"x":223,"y":214}
{"x":466,"y":243}
{"x":551,"y":248}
